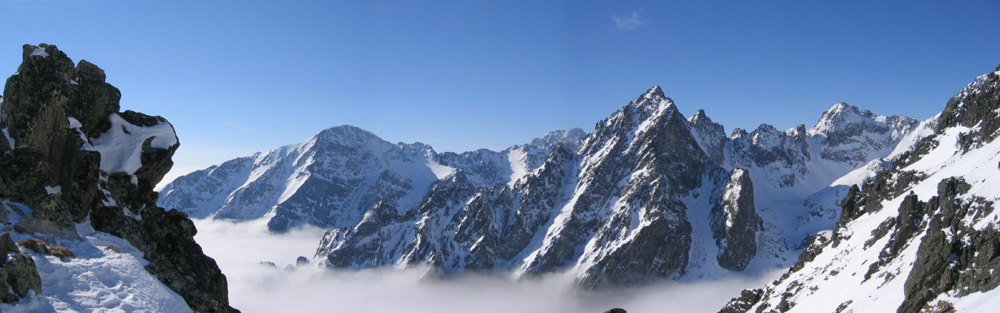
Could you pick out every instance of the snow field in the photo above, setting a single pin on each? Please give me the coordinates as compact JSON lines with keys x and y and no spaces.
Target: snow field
{"x":97,"y":279}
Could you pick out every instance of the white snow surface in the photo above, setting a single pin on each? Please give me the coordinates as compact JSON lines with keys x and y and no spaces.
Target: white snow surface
{"x":121,"y":145}
{"x":10,"y":140}
{"x":39,"y":51}
{"x":53,"y":189}
{"x":836,"y":276}
{"x":97,"y":279}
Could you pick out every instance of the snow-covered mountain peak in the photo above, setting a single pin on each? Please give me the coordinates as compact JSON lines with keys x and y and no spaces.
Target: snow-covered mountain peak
{"x":654,"y":92}
{"x":843,"y":119}
{"x":569,"y":137}
{"x":738,"y":133}
{"x":840,"y":116}
{"x":653,"y":102}
{"x":346,"y":135}
{"x":976,"y":107}
{"x":711,"y":136}
{"x":699,"y":117}
{"x":855,"y":136}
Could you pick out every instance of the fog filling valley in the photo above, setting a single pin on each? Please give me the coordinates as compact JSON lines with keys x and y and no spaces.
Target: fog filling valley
{"x":239,"y":249}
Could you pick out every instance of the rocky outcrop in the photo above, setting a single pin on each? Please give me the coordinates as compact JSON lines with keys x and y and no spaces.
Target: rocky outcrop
{"x":743,"y":303}
{"x":736,"y":223}
{"x":953,"y":257}
{"x":978,"y":106}
{"x":72,"y":156}
{"x":18,"y":273}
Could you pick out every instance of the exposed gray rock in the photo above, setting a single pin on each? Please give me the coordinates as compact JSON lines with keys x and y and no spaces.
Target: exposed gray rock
{"x":736,"y":223}
{"x":953,"y":257}
{"x":54,"y":112}
{"x":18,"y":273}
{"x":976,"y":105}
{"x":747,"y":299}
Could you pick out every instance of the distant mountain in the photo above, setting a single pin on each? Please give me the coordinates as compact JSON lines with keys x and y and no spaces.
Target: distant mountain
{"x":918,"y":231}
{"x":648,"y":194}
{"x":336,"y":176}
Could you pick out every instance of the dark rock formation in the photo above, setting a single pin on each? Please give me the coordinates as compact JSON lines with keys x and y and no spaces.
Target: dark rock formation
{"x":976,"y":105}
{"x":18,"y":273}
{"x":60,"y":119}
{"x":736,"y":223}
{"x":744,"y":302}
{"x":953,"y":256}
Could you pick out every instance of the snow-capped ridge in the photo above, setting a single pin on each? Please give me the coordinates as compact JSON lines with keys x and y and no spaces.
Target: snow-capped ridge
{"x":631,"y":203}
{"x":915,"y":232}
{"x":653,"y":102}
{"x":570,"y":137}
{"x":335,"y":176}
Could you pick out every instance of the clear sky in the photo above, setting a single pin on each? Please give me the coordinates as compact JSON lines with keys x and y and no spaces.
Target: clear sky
{"x":235,"y":77}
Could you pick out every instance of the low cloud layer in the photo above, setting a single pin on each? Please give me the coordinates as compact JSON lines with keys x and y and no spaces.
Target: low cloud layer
{"x":240,"y":247}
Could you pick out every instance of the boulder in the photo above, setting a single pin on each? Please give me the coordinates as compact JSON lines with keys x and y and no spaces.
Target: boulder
{"x":18,"y":273}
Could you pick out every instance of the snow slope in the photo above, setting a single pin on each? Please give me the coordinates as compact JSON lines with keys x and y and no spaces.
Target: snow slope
{"x":919,"y":233}
{"x":97,"y":279}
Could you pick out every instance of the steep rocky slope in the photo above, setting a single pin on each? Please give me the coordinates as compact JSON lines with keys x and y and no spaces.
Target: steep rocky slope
{"x":919,"y":234}
{"x":70,"y":160}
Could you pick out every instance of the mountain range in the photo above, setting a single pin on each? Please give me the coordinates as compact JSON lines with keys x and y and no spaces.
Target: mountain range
{"x":648,"y":194}
{"x":865,"y":212}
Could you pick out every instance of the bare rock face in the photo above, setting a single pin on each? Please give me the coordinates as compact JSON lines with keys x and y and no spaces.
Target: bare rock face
{"x":735,"y":223}
{"x":68,"y":153}
{"x":42,"y":149}
{"x":977,"y":104}
{"x":18,"y":273}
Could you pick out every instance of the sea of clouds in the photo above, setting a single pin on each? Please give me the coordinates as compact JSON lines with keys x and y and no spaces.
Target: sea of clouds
{"x":239,"y":248}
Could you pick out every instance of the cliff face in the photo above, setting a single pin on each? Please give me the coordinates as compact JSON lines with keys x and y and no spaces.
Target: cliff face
{"x":70,"y":156}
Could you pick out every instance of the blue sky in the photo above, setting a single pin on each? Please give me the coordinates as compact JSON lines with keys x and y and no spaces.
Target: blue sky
{"x":235,"y":77}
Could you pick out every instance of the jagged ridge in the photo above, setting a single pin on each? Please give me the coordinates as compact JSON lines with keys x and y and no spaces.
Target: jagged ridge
{"x":642,"y":196}
{"x":918,"y":235}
